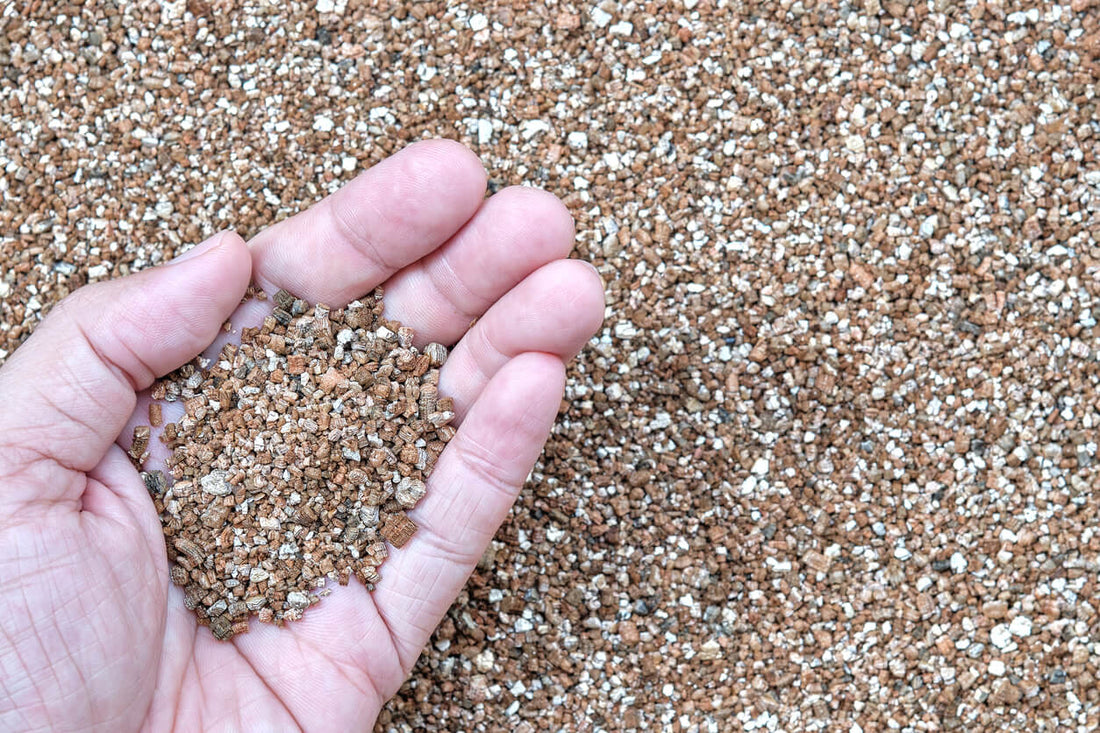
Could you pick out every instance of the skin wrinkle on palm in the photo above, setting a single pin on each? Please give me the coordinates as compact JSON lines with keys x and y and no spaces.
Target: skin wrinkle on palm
{"x":513,"y":410}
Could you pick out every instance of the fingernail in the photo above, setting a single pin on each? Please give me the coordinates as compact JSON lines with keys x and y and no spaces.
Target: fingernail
{"x":198,"y":250}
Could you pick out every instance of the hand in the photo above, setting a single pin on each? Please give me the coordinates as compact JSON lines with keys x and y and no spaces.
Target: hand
{"x":93,"y":634}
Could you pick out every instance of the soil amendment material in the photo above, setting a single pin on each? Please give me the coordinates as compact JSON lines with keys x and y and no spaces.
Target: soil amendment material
{"x":297,"y":458}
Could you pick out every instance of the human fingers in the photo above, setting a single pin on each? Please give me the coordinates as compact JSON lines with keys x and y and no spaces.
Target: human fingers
{"x":555,"y":311}
{"x":388,"y":217}
{"x":469,"y":494}
{"x":514,"y":233}
{"x":68,"y":391}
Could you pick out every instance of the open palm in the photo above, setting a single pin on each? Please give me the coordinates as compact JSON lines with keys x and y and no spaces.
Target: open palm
{"x":92,"y":634}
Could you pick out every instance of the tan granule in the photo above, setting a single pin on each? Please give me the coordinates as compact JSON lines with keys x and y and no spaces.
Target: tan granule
{"x":300,"y":452}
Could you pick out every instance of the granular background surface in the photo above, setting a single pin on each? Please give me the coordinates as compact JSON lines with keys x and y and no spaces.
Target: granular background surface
{"x":829,"y":464}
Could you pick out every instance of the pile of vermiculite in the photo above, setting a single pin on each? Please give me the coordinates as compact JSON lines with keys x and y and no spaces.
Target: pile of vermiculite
{"x":297,"y":458}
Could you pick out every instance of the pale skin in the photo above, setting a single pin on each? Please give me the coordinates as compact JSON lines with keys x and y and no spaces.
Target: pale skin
{"x":92,"y":634}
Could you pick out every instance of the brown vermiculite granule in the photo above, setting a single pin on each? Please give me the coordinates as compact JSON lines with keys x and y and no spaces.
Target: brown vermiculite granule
{"x":297,"y":458}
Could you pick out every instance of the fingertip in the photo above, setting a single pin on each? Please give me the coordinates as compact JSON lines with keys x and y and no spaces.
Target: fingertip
{"x":237,"y":257}
{"x":555,"y":310}
{"x":204,"y":247}
{"x":571,"y":294}
{"x":590,"y":297}
{"x":518,"y":407}
{"x":230,"y":238}
{"x":229,"y":242}
{"x":217,"y":271}
{"x":448,"y":160}
{"x":545,"y":221}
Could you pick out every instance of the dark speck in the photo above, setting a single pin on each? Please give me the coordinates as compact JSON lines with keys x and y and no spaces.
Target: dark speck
{"x":968,"y":327}
{"x":324,"y":36}
{"x":154,"y":482}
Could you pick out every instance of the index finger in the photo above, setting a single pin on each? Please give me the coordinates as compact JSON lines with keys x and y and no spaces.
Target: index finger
{"x":391,"y":215}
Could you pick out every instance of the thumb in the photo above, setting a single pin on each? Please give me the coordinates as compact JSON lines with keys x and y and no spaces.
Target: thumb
{"x":67,"y":392}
